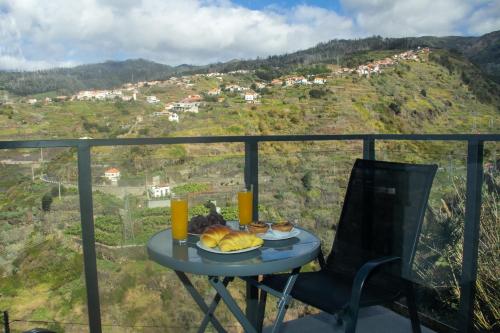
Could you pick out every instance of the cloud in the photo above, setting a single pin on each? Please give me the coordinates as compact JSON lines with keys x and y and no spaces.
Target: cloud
{"x":173,"y":32}
{"x":41,"y":34}
{"x":485,"y":19}
{"x":20,"y":63}
{"x":408,"y":18}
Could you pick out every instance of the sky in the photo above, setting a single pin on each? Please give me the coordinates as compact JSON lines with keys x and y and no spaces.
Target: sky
{"x":59,"y":33}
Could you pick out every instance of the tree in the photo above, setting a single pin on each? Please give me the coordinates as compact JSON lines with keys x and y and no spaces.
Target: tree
{"x":46,"y":202}
{"x":316,"y":93}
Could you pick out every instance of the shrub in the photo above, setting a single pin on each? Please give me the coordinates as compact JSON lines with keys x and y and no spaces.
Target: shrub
{"x":396,"y":108}
{"x":307,"y":180}
{"x":316,"y":93}
{"x":190,"y":188}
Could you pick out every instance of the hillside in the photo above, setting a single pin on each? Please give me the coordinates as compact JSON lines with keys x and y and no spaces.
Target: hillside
{"x":94,"y":76}
{"x":445,"y":92}
{"x":483,"y":51}
{"x":40,"y":254}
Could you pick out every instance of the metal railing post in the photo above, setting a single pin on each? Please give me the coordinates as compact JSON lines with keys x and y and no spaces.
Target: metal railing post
{"x":6,"y":326}
{"x":471,"y":235}
{"x":88,"y":237}
{"x":252,"y":179}
{"x":252,"y":173}
{"x":369,"y":149}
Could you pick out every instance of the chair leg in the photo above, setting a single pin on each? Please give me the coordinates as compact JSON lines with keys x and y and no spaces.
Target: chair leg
{"x":351,"y":319}
{"x":412,"y":307}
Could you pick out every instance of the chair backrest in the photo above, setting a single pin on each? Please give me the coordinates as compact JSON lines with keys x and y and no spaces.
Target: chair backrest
{"x":382,"y":215}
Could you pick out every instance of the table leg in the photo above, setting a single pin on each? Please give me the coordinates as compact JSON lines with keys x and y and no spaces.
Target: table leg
{"x":232,"y":305}
{"x":261,"y":310}
{"x":199,"y":300}
{"x":213,"y":305}
{"x":284,"y":300}
{"x":252,"y":301}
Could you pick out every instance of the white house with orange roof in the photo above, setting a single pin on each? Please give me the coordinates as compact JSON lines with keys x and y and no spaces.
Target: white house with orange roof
{"x":319,"y":80}
{"x":113,"y":174}
{"x":251,"y":96}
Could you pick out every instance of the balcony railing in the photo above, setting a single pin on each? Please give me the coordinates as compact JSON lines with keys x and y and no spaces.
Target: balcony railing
{"x":474,"y":180}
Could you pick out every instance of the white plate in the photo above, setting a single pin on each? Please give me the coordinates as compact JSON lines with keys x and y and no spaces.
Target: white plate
{"x":216,"y":249}
{"x":270,"y":235}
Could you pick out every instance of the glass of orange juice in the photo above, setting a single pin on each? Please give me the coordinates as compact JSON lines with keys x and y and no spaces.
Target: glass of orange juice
{"x":245,"y":204}
{"x":179,"y":217}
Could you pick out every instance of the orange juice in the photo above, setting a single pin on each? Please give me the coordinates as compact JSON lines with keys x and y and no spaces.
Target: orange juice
{"x":179,"y":211}
{"x":245,"y":203}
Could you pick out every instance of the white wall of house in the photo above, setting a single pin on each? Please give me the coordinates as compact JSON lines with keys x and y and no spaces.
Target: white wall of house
{"x":159,"y":191}
{"x":152,"y":99}
{"x":173,"y":117}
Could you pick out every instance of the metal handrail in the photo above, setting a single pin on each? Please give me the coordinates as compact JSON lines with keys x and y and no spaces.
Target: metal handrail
{"x":242,"y":138}
{"x":475,"y":147}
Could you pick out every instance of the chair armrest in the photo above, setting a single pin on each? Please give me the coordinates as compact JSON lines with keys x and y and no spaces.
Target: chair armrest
{"x":363,"y":274}
{"x":357,"y":286}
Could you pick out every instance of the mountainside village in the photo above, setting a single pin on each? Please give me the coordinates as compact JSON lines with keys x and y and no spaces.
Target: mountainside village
{"x":191,"y":103}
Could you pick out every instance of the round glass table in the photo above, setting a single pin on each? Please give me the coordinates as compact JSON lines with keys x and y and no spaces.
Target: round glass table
{"x":273,"y":257}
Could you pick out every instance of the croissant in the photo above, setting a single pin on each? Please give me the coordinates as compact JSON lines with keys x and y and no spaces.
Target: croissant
{"x":237,"y":240}
{"x":213,"y":234}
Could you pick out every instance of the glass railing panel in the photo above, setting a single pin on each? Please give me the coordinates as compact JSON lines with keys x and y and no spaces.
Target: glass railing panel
{"x":42,"y":280}
{"x":136,"y":294}
{"x":486,"y":311}
{"x":305,"y":182}
{"x":438,"y":265}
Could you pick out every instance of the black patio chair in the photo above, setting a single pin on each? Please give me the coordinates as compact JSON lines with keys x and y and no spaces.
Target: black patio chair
{"x":375,"y":242}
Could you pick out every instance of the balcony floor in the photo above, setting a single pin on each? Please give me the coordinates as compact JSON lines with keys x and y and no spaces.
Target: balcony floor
{"x":374,"y":319}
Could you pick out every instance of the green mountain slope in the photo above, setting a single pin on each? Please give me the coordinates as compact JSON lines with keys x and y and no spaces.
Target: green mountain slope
{"x":444,"y":93}
{"x":94,"y":76}
{"x":484,"y":51}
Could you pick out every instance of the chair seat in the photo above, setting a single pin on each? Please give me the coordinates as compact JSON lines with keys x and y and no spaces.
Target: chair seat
{"x":325,"y":291}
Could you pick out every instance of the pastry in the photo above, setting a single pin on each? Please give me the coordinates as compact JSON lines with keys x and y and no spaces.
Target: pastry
{"x":284,"y":226}
{"x":213,"y":235}
{"x":238,"y":240}
{"x":258,"y":227}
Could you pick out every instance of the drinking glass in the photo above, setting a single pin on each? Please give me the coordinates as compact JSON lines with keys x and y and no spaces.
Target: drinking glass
{"x":179,"y":216}
{"x":180,"y":251}
{"x":245,"y":204}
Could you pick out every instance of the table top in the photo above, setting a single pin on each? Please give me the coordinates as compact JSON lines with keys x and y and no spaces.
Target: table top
{"x":272,"y":257}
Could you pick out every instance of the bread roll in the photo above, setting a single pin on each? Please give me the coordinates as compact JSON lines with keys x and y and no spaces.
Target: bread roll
{"x":237,"y":240}
{"x":213,"y":234}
